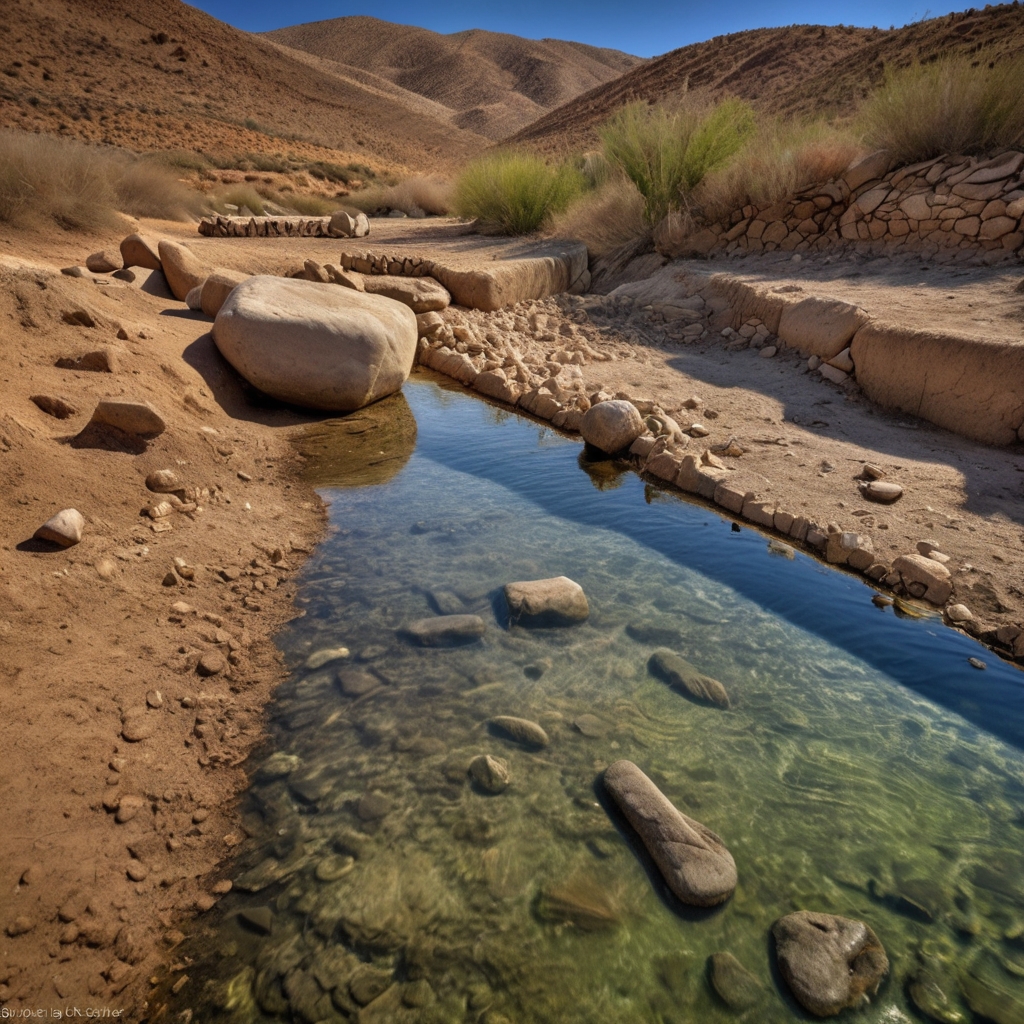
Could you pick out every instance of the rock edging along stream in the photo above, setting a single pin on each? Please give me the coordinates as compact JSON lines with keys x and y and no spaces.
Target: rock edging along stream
{"x":657,"y":449}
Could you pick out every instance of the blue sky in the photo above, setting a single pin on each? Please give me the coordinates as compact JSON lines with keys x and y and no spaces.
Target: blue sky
{"x":645,"y":29}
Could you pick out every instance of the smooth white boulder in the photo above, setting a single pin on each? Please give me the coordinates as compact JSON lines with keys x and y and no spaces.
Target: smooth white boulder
{"x":316,"y":345}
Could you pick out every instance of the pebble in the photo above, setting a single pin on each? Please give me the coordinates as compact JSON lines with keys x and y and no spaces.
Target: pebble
{"x":333,"y":867}
{"x":221,"y":887}
{"x":446,"y":629}
{"x":205,"y":902}
{"x":977,"y":663}
{"x":373,"y":805}
{"x":127,"y":808}
{"x":558,"y":601}
{"x":735,"y":985}
{"x":137,"y":725}
{"x":354,"y":682}
{"x":65,"y":528}
{"x":212,"y":663}
{"x":959,"y":613}
{"x":155,"y":699}
{"x":181,"y":608}
{"x":325,"y":655}
{"x":20,"y":926}
{"x":591,"y":726}
{"x":367,"y":983}
{"x":768,"y":351}
{"x":881,"y":491}
{"x":170,"y":580}
{"x":260,"y":919}
{"x":698,"y":430}
{"x":490,"y":773}
{"x":163,"y":481}
{"x":521,"y":729}
{"x":139,"y":418}
{"x":137,"y":871}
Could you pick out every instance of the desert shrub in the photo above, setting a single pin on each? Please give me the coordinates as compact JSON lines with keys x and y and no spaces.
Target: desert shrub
{"x":779,"y":158}
{"x":668,"y":151}
{"x":952,"y":105}
{"x":515,"y":192}
{"x":605,"y":218}
{"x":241,"y":195}
{"x":81,"y":187}
{"x":309,"y":206}
{"x":325,"y":170}
{"x":414,"y":196}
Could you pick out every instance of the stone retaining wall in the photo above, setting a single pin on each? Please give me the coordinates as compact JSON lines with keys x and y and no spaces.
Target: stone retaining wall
{"x":947,"y":208}
{"x":265,"y":227}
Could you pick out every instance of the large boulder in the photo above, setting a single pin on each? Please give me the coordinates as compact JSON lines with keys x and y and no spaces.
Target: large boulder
{"x":829,"y":962}
{"x":558,"y":601}
{"x":344,"y":225}
{"x":216,"y":289}
{"x":612,"y":426}
{"x":821,"y":327}
{"x":420,"y":294}
{"x":693,"y":860}
{"x":182,"y":268}
{"x":137,"y":251}
{"x":316,"y":345}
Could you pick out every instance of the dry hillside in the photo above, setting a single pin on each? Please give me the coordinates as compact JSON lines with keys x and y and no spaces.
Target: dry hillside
{"x":163,"y":75}
{"x":489,"y":82}
{"x":802,"y":69}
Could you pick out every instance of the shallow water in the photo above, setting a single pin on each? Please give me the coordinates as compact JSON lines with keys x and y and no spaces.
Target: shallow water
{"x":864,"y":767}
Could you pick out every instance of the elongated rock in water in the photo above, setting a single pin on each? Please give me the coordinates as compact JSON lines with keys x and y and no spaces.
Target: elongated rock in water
{"x":829,"y":962}
{"x":735,"y":985}
{"x":446,"y":629}
{"x":522,"y":730}
{"x":681,"y":675}
{"x":693,"y":860}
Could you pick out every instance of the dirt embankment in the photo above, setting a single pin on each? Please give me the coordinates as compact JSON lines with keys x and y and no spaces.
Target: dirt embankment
{"x":132,"y":687}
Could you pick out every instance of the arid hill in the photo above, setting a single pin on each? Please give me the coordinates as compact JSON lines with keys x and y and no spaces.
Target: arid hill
{"x":491,"y":83}
{"x":163,"y":75}
{"x":801,"y":69}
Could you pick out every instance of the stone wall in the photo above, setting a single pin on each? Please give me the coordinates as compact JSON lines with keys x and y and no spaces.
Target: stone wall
{"x":948,"y":208}
{"x":265,"y":227}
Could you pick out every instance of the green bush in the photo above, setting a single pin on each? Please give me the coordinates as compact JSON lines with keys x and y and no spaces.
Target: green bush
{"x":668,"y":152}
{"x":952,"y":105}
{"x":515,"y":192}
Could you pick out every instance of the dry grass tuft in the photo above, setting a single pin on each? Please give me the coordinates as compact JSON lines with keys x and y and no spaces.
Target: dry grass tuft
{"x":82,"y":187}
{"x":952,"y":105}
{"x":780,"y":159}
{"x":605,"y":219}
{"x":415,"y":196}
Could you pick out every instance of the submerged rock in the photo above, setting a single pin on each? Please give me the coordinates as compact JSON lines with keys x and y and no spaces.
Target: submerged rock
{"x":558,"y":601}
{"x":927,"y":993}
{"x":446,"y":629}
{"x":490,"y":773}
{"x":829,"y":962}
{"x":354,"y":682}
{"x":683,"y":676}
{"x":693,"y":859}
{"x":735,"y":985}
{"x":522,"y":730}
{"x":581,"y":901}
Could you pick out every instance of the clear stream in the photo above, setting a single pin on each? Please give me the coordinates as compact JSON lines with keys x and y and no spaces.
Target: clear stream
{"x":865,"y":768}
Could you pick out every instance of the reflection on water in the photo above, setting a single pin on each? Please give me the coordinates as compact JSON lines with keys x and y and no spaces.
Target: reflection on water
{"x":379,"y":877}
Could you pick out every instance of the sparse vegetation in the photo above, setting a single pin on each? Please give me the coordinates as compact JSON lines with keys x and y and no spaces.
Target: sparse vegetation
{"x":82,"y":187}
{"x":667,"y":153}
{"x":514,"y":192}
{"x":414,"y":196}
{"x":241,"y":196}
{"x":952,"y":105}
{"x":605,"y":218}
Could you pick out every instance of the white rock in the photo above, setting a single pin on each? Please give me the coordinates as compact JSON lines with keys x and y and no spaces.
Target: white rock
{"x":612,"y":426}
{"x":557,"y":601}
{"x":65,"y":528}
{"x":132,"y":417}
{"x":842,"y":361}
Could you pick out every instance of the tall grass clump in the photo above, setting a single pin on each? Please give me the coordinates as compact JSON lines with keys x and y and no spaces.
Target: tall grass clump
{"x":515,"y":192}
{"x":779,"y":159}
{"x":83,"y":187}
{"x":604,"y":219}
{"x":952,"y":105}
{"x":416,"y":197}
{"x":667,"y":152}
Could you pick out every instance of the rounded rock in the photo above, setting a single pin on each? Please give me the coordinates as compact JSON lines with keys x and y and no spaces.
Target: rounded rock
{"x":612,"y":426}
{"x":212,"y":663}
{"x":163,"y":481}
{"x":137,"y":251}
{"x":137,"y":725}
{"x":490,"y":773}
{"x":521,"y":730}
{"x":181,"y":267}
{"x":316,"y":345}
{"x":139,"y":418}
{"x":65,"y":528}
{"x":216,"y":289}
{"x":881,"y":491}
{"x":104,"y":262}
{"x":558,"y":601}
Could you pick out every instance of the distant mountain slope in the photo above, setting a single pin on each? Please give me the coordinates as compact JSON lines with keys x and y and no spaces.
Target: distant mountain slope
{"x":492,"y":83}
{"x":802,"y":69}
{"x":163,"y":75}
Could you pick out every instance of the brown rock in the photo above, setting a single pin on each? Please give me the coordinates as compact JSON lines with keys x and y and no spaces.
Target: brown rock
{"x":556,"y":601}
{"x":137,"y":251}
{"x":139,"y":418}
{"x":882,"y":491}
{"x":932,"y":575}
{"x":522,"y":730}
{"x":65,"y":528}
{"x":104,"y":262}
{"x":127,"y":808}
{"x":420,"y":294}
{"x":163,"y":481}
{"x":612,"y":426}
{"x":54,"y":406}
{"x":693,"y":860}
{"x":686,"y":678}
{"x":490,"y":773}
{"x":217,"y":287}
{"x":181,"y":267}
{"x":829,"y":962}
{"x":212,"y":663}
{"x":103,"y":360}
{"x":138,"y":725}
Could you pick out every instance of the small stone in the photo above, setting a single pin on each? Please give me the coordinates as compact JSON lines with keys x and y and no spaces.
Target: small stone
{"x":591,"y":726}
{"x":259,"y":919}
{"x":21,"y":925}
{"x":138,"y":418}
{"x":181,"y":608}
{"x":127,"y":808}
{"x":163,"y":481}
{"x":813,"y":363}
{"x":698,"y":430}
{"x":490,"y":773}
{"x":446,"y":629}
{"x":104,"y":262}
{"x":768,"y":351}
{"x":829,"y":962}
{"x":221,"y":887}
{"x":170,"y":580}
{"x":54,"y":406}
{"x":137,"y":871}
{"x":367,"y":983}
{"x":65,"y":528}
{"x":212,"y":663}
{"x":881,"y":491}
{"x":556,"y":602}
{"x":373,"y":805}
{"x":354,"y":682}
{"x":521,"y":729}
{"x":977,"y":663}
{"x":103,"y":360}
{"x":138,"y":725}
{"x":683,"y":676}
{"x":692,"y":859}
{"x":155,"y":699}
{"x":324,"y":656}
{"x":735,"y":985}
{"x":334,"y":866}
{"x":959,"y":613}
{"x":205,"y":902}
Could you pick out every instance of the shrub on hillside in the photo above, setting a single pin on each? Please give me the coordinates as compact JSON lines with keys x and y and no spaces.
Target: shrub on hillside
{"x":952,"y":105}
{"x":515,"y":192}
{"x":667,"y":152}
{"x":82,"y":187}
{"x":414,"y":196}
{"x":604,"y":219}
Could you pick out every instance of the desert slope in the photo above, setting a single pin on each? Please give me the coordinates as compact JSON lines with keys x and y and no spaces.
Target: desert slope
{"x":801,"y":69}
{"x":492,"y":83}
{"x":163,"y":75}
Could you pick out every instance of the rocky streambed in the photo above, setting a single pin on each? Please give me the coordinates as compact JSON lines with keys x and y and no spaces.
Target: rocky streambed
{"x":432,"y":833}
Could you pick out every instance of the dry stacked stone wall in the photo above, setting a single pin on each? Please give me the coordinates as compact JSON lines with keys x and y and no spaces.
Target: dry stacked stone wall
{"x":949,"y":208}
